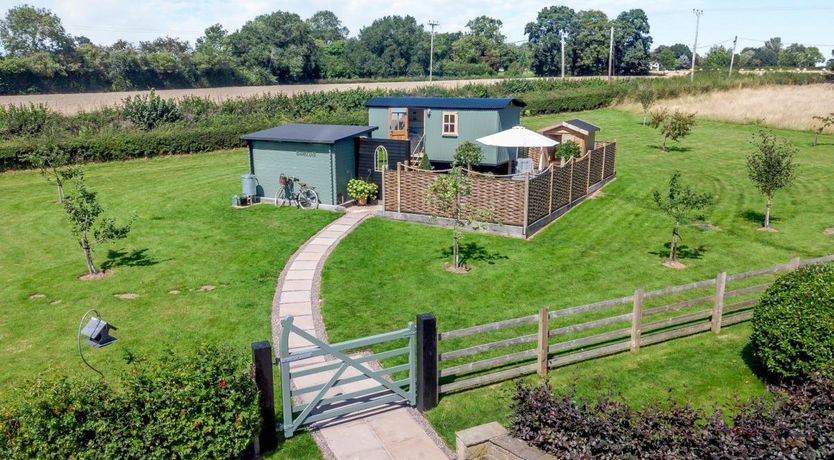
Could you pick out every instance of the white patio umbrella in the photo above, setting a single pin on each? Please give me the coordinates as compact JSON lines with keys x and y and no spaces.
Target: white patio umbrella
{"x":517,"y":136}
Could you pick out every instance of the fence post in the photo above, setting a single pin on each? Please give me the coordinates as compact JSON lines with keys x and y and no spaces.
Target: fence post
{"x":262,"y":359}
{"x":543,"y":342}
{"x":427,"y":357}
{"x":602,"y":170}
{"x":718,"y":303}
{"x":399,"y":193}
{"x":636,"y":320}
{"x":588,"y":176}
{"x":570,"y":183}
{"x":526,"y":210}
{"x":794,"y":263}
{"x":550,"y":194}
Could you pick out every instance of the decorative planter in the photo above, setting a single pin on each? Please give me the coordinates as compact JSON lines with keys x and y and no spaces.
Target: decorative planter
{"x":362,"y":200}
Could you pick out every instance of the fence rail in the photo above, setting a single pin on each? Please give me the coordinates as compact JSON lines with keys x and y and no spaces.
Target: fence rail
{"x":499,"y":350}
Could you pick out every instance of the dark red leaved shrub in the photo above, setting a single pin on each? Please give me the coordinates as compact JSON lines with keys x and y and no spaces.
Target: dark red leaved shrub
{"x":798,"y":422}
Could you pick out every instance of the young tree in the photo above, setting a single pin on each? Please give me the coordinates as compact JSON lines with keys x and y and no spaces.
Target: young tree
{"x":680,"y":202}
{"x":448,"y":192}
{"x":771,"y":167}
{"x":88,"y":224}
{"x":674,"y":126}
{"x":53,"y":163}
{"x":646,"y":95}
{"x":467,"y":155}
{"x":568,"y":149}
{"x":823,"y":123}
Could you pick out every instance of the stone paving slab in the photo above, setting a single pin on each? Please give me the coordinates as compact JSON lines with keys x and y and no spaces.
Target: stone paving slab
{"x":385,"y":433}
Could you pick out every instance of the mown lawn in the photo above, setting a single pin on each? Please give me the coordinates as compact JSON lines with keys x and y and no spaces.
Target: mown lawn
{"x":386,"y":272}
{"x":186,"y":238}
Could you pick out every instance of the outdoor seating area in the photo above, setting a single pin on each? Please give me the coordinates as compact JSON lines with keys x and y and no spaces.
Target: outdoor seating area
{"x":518,"y":205}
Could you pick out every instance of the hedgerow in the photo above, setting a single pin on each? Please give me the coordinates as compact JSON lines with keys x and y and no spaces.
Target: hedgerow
{"x":797,"y":421}
{"x":149,"y":126}
{"x":200,"y":405}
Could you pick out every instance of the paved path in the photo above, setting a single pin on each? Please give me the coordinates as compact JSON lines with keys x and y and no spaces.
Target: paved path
{"x":388,"y":432}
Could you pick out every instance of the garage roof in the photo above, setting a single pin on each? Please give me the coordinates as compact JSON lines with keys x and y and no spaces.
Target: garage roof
{"x":463,"y":103}
{"x":308,"y":133}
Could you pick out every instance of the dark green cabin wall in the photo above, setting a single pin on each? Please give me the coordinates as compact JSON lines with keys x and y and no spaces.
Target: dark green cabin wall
{"x":311,"y":163}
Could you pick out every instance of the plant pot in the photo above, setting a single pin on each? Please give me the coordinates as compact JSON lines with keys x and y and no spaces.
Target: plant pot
{"x":362,"y":200}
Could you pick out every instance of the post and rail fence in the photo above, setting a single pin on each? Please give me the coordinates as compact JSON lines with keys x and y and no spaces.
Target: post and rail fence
{"x":461,"y":359}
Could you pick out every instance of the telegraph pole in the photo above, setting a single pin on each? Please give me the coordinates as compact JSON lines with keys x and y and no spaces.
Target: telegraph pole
{"x":431,"y":50}
{"x":562,"y":34}
{"x":698,"y":14}
{"x":733,"y":57}
{"x":611,"y":55}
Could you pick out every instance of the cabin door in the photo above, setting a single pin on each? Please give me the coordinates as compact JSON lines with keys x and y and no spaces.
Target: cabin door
{"x":398,"y":124}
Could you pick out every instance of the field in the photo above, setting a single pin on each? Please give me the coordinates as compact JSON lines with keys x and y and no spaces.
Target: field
{"x":386,"y":272}
{"x":74,"y":103}
{"x":790,"y":107}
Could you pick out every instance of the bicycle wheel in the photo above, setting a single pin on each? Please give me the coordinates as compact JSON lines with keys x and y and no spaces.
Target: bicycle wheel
{"x":308,"y":199}
{"x":281,"y":196}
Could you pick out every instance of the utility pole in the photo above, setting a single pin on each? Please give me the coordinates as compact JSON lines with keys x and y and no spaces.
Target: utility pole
{"x":611,"y":55}
{"x":431,"y":50}
{"x":698,"y":14}
{"x":733,"y":57}
{"x":562,"y":34}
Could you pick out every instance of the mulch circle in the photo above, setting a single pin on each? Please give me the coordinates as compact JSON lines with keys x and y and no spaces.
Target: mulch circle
{"x":207,"y":288}
{"x":451,"y":268}
{"x":829,"y":231}
{"x":126,"y":296}
{"x":37,"y":296}
{"x":95,"y":276}
{"x":768,"y":229}
{"x":674,"y":265}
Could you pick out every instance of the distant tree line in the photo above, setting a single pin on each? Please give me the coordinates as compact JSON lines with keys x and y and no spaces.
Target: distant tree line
{"x":772,"y":53}
{"x":39,"y":55}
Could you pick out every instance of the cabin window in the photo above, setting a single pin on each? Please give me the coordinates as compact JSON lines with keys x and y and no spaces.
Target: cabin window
{"x":380,"y":159}
{"x":450,"y":124}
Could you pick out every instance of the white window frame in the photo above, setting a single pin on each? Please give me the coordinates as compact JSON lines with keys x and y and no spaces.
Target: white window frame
{"x":380,"y":148}
{"x":454,"y":124}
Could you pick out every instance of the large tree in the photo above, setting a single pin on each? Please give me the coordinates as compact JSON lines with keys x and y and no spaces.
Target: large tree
{"x":632,"y":43}
{"x":26,"y":30}
{"x":590,"y":43}
{"x":213,"y":57}
{"x":544,"y":36}
{"x":279,"y":42}
{"x":327,"y":27}
{"x":796,"y":55}
{"x":391,"y":46}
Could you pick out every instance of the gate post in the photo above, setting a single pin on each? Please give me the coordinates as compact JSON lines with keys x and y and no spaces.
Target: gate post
{"x":262,"y":359}
{"x":427,"y":375}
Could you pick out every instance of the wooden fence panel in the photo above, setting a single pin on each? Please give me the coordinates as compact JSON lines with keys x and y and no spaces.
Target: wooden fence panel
{"x":640,"y":333}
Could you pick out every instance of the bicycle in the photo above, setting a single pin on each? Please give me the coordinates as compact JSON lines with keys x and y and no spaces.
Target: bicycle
{"x":305,"y":197}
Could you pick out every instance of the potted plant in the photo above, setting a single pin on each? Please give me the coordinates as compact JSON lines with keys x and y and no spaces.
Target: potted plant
{"x":362,"y":191}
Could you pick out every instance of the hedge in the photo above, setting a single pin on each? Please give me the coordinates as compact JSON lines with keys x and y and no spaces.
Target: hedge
{"x":198,"y":405}
{"x":797,"y":421}
{"x":204,"y":124}
{"x":793,"y":323}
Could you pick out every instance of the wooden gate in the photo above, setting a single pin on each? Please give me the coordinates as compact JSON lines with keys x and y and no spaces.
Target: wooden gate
{"x":327,"y":392}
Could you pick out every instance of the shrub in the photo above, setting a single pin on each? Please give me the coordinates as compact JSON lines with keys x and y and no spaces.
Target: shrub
{"x":797,"y":422}
{"x":568,"y":149}
{"x":358,"y":188}
{"x":202,"y":404}
{"x":674,"y":126}
{"x":467,"y":155}
{"x":23,"y":120}
{"x":793,"y":323}
{"x":147,"y":111}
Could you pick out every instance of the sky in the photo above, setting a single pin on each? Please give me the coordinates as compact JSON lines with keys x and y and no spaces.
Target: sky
{"x":809,"y":22}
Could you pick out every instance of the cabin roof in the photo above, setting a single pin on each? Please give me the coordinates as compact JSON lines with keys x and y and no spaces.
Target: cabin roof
{"x":462,"y":103}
